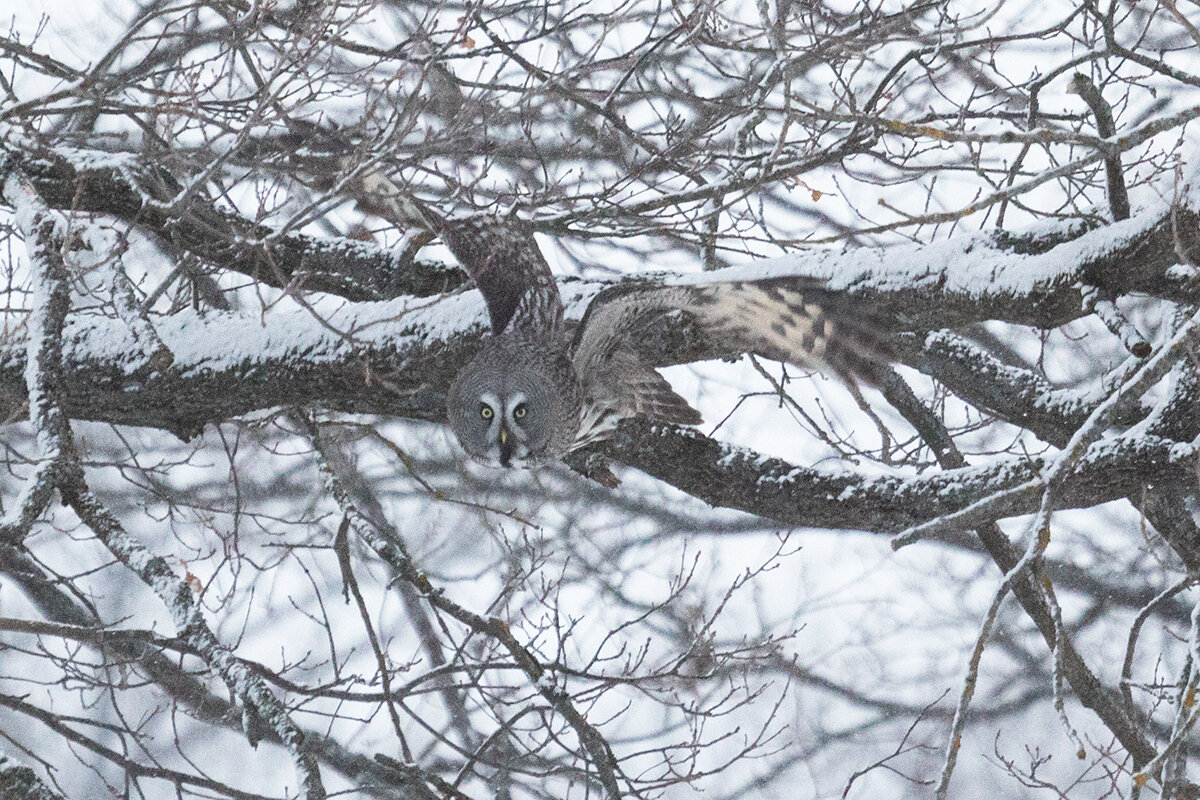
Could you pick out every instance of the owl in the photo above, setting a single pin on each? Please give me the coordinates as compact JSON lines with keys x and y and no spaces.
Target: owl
{"x":535,"y":391}
{"x":538,"y":389}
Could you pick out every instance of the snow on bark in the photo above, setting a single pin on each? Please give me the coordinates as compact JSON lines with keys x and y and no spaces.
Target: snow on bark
{"x":50,"y":301}
{"x":44,"y":232}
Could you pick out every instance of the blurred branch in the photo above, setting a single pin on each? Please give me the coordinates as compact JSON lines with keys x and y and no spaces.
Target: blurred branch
{"x":394,"y":555}
{"x":122,"y":186}
{"x":131,"y":767}
{"x":45,"y":243}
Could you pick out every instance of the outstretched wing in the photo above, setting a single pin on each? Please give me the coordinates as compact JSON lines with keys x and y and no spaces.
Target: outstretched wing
{"x":798,"y":321}
{"x":787,"y":319}
{"x":499,"y":253}
{"x":507,"y":265}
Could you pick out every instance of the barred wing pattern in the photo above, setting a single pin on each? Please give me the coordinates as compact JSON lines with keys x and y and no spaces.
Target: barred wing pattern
{"x":507,"y":265}
{"x":787,"y":319}
{"x":499,"y":253}
{"x":794,"y":320}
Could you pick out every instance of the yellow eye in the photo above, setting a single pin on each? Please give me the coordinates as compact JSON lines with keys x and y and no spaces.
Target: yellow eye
{"x":485,"y":411}
{"x":520,"y":411}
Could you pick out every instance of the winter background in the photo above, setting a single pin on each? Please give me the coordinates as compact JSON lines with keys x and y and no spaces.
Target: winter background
{"x":716,"y":651}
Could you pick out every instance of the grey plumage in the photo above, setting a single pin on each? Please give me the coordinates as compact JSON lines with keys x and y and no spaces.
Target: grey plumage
{"x":532,"y":394}
{"x":517,"y":402}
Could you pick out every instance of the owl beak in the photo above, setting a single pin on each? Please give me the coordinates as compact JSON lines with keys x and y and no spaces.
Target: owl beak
{"x":506,"y":446}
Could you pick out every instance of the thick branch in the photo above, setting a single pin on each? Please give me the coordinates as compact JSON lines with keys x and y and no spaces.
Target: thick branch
{"x":723,"y":475}
{"x":1031,"y":279}
{"x":290,"y":357}
{"x":43,"y":366}
{"x":119,"y":186}
{"x":1014,"y":394}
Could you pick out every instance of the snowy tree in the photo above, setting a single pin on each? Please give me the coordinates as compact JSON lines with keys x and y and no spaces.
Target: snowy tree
{"x":241,"y":556}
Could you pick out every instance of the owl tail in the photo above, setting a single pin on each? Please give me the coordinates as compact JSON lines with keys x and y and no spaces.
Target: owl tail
{"x":804,"y":325}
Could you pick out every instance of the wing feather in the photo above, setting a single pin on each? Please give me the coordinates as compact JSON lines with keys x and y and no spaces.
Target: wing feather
{"x":499,"y":253}
{"x":504,"y":260}
{"x":794,"y":320}
{"x":626,"y":387}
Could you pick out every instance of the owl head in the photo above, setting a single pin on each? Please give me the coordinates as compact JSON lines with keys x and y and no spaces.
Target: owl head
{"x":516,"y":404}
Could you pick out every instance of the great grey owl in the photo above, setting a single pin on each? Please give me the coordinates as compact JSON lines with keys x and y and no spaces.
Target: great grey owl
{"x":536,"y":391}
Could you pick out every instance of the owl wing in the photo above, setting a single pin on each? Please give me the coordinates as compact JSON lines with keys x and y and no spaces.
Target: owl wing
{"x":794,"y":320}
{"x":499,"y":253}
{"x":798,"y":321}
{"x":789,"y":319}
{"x":504,"y":260}
{"x":624,"y":386}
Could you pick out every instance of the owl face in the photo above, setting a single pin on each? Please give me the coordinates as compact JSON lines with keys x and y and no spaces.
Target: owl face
{"x":510,"y":410}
